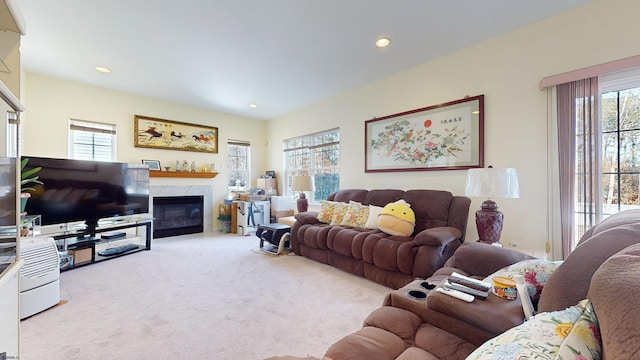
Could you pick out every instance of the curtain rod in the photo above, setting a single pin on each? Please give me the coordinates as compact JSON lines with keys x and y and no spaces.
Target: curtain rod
{"x":591,"y":71}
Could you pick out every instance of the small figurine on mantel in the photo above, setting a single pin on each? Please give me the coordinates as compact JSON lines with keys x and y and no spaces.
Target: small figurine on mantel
{"x":177,"y":165}
{"x":185,"y":166}
{"x":193,"y":166}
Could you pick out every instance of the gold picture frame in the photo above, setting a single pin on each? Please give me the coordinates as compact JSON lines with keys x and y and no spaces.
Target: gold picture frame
{"x":157,"y":133}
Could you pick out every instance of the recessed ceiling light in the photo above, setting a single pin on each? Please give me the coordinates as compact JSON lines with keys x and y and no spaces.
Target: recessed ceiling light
{"x":103,"y":70}
{"x":253,"y":106}
{"x":383,"y":42}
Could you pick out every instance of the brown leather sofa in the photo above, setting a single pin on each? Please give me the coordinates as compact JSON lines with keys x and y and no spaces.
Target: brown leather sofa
{"x":605,"y":268}
{"x":441,"y":221}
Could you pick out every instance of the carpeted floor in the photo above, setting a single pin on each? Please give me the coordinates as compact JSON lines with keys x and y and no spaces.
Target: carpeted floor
{"x":206,"y":296}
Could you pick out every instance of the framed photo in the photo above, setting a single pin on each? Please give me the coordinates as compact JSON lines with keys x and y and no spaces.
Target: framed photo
{"x":174,"y":135}
{"x":447,"y":136}
{"x":153,"y":164}
{"x":270,"y":174}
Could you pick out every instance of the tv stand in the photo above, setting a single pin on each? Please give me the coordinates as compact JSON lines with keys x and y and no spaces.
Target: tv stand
{"x":85,"y":245}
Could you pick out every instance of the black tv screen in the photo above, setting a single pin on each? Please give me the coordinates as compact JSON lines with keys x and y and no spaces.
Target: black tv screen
{"x":79,"y":190}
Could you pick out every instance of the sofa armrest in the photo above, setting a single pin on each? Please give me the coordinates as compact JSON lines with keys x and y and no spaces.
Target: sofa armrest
{"x":309,"y":217}
{"x":482,"y":260}
{"x":437,"y":236}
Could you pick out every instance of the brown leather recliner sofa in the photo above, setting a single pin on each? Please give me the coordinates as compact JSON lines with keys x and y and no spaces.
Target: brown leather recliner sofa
{"x":604,"y":268}
{"x":441,"y":221}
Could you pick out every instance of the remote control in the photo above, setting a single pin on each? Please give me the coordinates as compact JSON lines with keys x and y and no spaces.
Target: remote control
{"x":456,"y":294}
{"x":467,"y":290}
{"x":469,"y":282}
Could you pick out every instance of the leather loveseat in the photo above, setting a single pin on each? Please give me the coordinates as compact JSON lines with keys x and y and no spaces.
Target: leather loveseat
{"x":604,"y":268}
{"x":441,"y":221}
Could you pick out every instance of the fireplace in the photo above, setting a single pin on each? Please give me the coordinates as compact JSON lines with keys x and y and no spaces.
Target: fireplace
{"x":177,"y":215}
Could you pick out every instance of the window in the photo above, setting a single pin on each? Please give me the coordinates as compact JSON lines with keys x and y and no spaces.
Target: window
{"x":92,"y":141}
{"x":616,"y":184}
{"x":238,"y":155}
{"x":317,"y":155}
{"x":620,"y":148}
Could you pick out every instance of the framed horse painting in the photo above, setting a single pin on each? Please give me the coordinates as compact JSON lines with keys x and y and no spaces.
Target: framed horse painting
{"x":157,"y":133}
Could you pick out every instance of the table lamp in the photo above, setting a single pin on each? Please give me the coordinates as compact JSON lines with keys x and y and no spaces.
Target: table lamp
{"x":491,"y":182}
{"x":302,"y":183}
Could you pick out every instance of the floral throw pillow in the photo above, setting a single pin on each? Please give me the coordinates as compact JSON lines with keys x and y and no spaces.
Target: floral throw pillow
{"x":536,"y":273}
{"x":583,"y":342}
{"x":327,"y":209}
{"x":339,"y":212}
{"x":546,"y":336}
{"x":356,"y":215}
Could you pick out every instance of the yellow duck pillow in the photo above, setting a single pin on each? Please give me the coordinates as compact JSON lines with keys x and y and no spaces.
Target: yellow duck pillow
{"x":397,"y":218}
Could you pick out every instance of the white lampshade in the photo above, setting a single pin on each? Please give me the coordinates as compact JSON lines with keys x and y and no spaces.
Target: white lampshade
{"x":492,"y":182}
{"x":302,"y":183}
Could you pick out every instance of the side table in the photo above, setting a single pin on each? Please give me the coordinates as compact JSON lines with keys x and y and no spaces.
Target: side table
{"x":275,"y":234}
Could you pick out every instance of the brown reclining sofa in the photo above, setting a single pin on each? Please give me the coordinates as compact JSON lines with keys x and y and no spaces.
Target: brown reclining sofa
{"x":604,"y":268}
{"x":441,"y":222}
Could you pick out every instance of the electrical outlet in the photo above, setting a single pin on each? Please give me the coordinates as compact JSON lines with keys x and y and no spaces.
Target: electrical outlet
{"x":514,"y":243}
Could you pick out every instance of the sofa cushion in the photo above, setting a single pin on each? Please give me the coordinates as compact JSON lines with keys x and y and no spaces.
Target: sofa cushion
{"x":368,"y":343}
{"x":482,"y":260}
{"x":570,"y":282}
{"x":614,"y":290}
{"x":346,"y":195}
{"x":398,"y":321}
{"x":539,"y":338}
{"x":430,"y":206}
{"x":382,"y":197}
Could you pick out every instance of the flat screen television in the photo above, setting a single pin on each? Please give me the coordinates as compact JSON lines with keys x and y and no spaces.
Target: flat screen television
{"x":80,"y":190}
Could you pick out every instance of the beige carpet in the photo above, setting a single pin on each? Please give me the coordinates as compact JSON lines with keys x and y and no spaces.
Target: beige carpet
{"x":207,"y":296}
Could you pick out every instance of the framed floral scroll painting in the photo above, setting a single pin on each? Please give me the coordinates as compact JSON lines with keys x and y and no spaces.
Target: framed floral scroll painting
{"x":447,"y":136}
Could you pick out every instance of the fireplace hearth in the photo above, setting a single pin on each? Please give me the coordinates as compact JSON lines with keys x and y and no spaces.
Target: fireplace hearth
{"x":177,"y":215}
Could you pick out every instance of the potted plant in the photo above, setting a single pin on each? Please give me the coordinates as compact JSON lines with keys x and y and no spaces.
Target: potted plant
{"x":27,"y":179}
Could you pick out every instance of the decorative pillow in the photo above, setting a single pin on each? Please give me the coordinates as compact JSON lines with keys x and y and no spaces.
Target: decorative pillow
{"x":583,"y":342}
{"x":327,"y":209}
{"x":372,"y":221}
{"x":356,"y":215}
{"x":536,"y":273}
{"x":339,"y":213}
{"x":541,"y":337}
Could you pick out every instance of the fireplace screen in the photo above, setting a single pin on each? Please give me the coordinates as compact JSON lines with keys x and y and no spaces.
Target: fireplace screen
{"x":177,"y":215}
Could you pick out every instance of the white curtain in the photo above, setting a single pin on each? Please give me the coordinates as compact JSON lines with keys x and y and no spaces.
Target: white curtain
{"x":579,"y":157}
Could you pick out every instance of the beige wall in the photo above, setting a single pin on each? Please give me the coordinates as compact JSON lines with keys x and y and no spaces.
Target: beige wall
{"x":51,"y":102}
{"x":507,"y":70}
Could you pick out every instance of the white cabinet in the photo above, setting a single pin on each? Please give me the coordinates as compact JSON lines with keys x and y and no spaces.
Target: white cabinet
{"x":9,"y":311}
{"x":11,"y":26}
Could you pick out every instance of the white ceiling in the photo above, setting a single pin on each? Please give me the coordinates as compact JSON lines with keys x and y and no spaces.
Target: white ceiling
{"x":280,"y":54}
